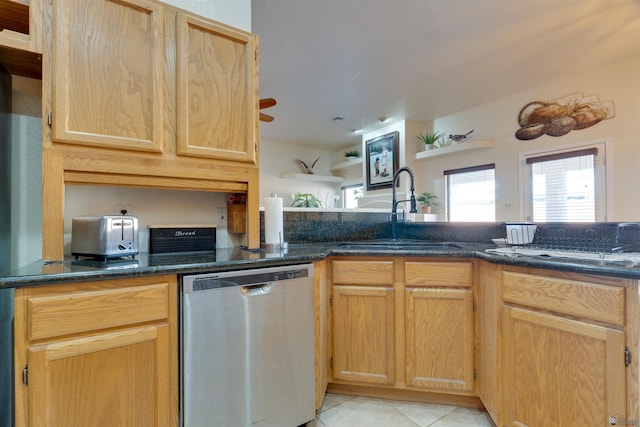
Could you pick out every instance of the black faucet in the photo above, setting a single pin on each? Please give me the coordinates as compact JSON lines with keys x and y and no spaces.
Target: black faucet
{"x":394,"y":203}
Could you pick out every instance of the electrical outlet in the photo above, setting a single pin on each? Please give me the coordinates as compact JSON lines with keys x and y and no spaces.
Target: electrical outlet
{"x":221,"y":217}
{"x":122,"y":209}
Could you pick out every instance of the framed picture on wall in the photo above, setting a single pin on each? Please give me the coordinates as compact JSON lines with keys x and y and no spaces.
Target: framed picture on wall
{"x":382,"y":160}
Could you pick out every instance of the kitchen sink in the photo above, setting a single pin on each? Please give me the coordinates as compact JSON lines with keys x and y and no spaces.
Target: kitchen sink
{"x":399,"y":245}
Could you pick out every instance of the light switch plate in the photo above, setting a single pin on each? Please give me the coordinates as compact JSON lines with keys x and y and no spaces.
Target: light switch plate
{"x":221,"y":217}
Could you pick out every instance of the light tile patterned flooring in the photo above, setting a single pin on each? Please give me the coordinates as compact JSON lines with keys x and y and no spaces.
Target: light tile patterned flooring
{"x":349,"y":411}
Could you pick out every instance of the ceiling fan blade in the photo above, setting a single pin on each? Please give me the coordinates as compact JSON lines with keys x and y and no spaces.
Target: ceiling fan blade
{"x":267,"y":102}
{"x":266,"y":117}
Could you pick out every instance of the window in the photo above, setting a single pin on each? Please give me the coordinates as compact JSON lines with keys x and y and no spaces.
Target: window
{"x":471,"y":194}
{"x":351,"y":194}
{"x":565,"y":186}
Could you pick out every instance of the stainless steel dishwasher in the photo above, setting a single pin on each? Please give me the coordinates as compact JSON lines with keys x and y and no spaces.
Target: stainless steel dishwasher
{"x":248,"y":348}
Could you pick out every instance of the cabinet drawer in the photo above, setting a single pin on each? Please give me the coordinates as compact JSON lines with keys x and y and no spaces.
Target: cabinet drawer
{"x":458,"y":274}
{"x":582,"y":299}
{"x":84,"y":311}
{"x":362,"y":272}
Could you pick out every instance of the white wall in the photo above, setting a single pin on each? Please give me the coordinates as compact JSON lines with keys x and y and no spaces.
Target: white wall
{"x":277,"y":158}
{"x":151,"y":206}
{"x":236,"y":13}
{"x":26,"y":171}
{"x":498,"y":120}
{"x":408,"y":145}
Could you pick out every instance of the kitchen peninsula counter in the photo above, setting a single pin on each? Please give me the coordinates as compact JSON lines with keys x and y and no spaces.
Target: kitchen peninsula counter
{"x":229,"y":259}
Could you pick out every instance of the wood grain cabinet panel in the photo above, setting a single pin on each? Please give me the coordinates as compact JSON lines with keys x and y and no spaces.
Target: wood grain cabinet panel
{"x":117,"y":369}
{"x":363,"y":334}
{"x":439,"y":338}
{"x":441,"y":274}
{"x":99,"y":380}
{"x":21,"y":37}
{"x":57,"y":315}
{"x":403,"y":324}
{"x":216,"y":90}
{"x":577,"y":298}
{"x":108,"y":58}
{"x":561,"y":372}
{"x":568,"y":349}
{"x":363,"y":272}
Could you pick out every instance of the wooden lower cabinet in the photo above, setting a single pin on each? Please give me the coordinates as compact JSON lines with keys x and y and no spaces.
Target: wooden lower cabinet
{"x":439,"y":339}
{"x":564,"y":343}
{"x":561,"y":372}
{"x":363,"y":334}
{"x":97,"y":354}
{"x":542,"y":347}
{"x":403,"y":324}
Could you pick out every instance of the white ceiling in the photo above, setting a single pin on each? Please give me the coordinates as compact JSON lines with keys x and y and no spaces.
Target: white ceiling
{"x":421,"y":59}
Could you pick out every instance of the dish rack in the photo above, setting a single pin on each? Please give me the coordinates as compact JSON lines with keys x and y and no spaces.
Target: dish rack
{"x":520,"y":233}
{"x":601,"y":238}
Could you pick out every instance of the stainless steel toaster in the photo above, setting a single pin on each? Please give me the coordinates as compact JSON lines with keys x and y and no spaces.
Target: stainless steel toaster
{"x":106,"y":236}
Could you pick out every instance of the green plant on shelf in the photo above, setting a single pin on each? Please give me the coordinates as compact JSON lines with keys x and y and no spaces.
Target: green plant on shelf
{"x":352,"y":153}
{"x":427,"y":200}
{"x":306,"y":200}
{"x":429,"y":139}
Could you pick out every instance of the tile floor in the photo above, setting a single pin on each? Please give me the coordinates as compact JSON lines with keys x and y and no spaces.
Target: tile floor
{"x":349,"y":411}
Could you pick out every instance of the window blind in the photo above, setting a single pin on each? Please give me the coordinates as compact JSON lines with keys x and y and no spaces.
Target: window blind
{"x":471,"y":194}
{"x":563,"y":186}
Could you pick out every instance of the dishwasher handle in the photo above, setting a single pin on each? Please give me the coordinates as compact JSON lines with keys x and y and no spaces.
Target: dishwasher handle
{"x":258,"y":289}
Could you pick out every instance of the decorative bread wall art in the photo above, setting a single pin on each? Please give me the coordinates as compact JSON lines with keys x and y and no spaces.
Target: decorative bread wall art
{"x":560,"y":116}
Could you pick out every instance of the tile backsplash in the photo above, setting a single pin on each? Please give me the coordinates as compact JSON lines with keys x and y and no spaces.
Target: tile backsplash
{"x":326,"y":226}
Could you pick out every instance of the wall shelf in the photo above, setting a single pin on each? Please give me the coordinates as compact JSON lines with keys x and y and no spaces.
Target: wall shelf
{"x":347,"y":164}
{"x":474,"y":144}
{"x":312,"y":177}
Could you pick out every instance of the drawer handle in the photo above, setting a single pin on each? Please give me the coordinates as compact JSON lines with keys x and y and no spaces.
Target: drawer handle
{"x":263,"y":288}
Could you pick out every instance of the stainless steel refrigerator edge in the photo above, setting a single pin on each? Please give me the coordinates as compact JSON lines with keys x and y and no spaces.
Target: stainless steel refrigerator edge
{"x":247,"y":348}
{"x":6,"y":295}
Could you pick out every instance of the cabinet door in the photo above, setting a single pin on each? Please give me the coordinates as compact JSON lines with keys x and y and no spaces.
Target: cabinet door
{"x":363,"y":334}
{"x":439,"y":338}
{"x":98,"y":353}
{"x":216,"y":90}
{"x":111,"y":379}
{"x":561,"y":372}
{"x":107,"y":73}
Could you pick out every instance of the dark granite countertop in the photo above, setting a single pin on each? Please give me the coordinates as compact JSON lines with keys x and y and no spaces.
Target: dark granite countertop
{"x":71,"y":270}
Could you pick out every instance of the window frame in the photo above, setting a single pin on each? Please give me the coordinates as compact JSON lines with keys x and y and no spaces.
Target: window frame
{"x":603,"y":145}
{"x":344,"y":188}
{"x":476,"y":168}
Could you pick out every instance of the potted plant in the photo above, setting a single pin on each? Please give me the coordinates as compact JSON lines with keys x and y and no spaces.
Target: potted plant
{"x":429,"y":139}
{"x":427,"y":200}
{"x":352,"y":153}
{"x":306,"y":200}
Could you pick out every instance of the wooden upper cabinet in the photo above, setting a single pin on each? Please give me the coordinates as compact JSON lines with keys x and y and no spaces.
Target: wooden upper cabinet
{"x":107,"y":73}
{"x":21,"y":37}
{"x":216,"y":90}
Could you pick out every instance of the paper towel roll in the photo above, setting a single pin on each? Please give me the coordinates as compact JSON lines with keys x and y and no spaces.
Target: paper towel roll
{"x":273,"y":227}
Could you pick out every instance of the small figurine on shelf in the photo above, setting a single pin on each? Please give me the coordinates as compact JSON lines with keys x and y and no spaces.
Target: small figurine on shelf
{"x":308,"y":169}
{"x":459,"y":138}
